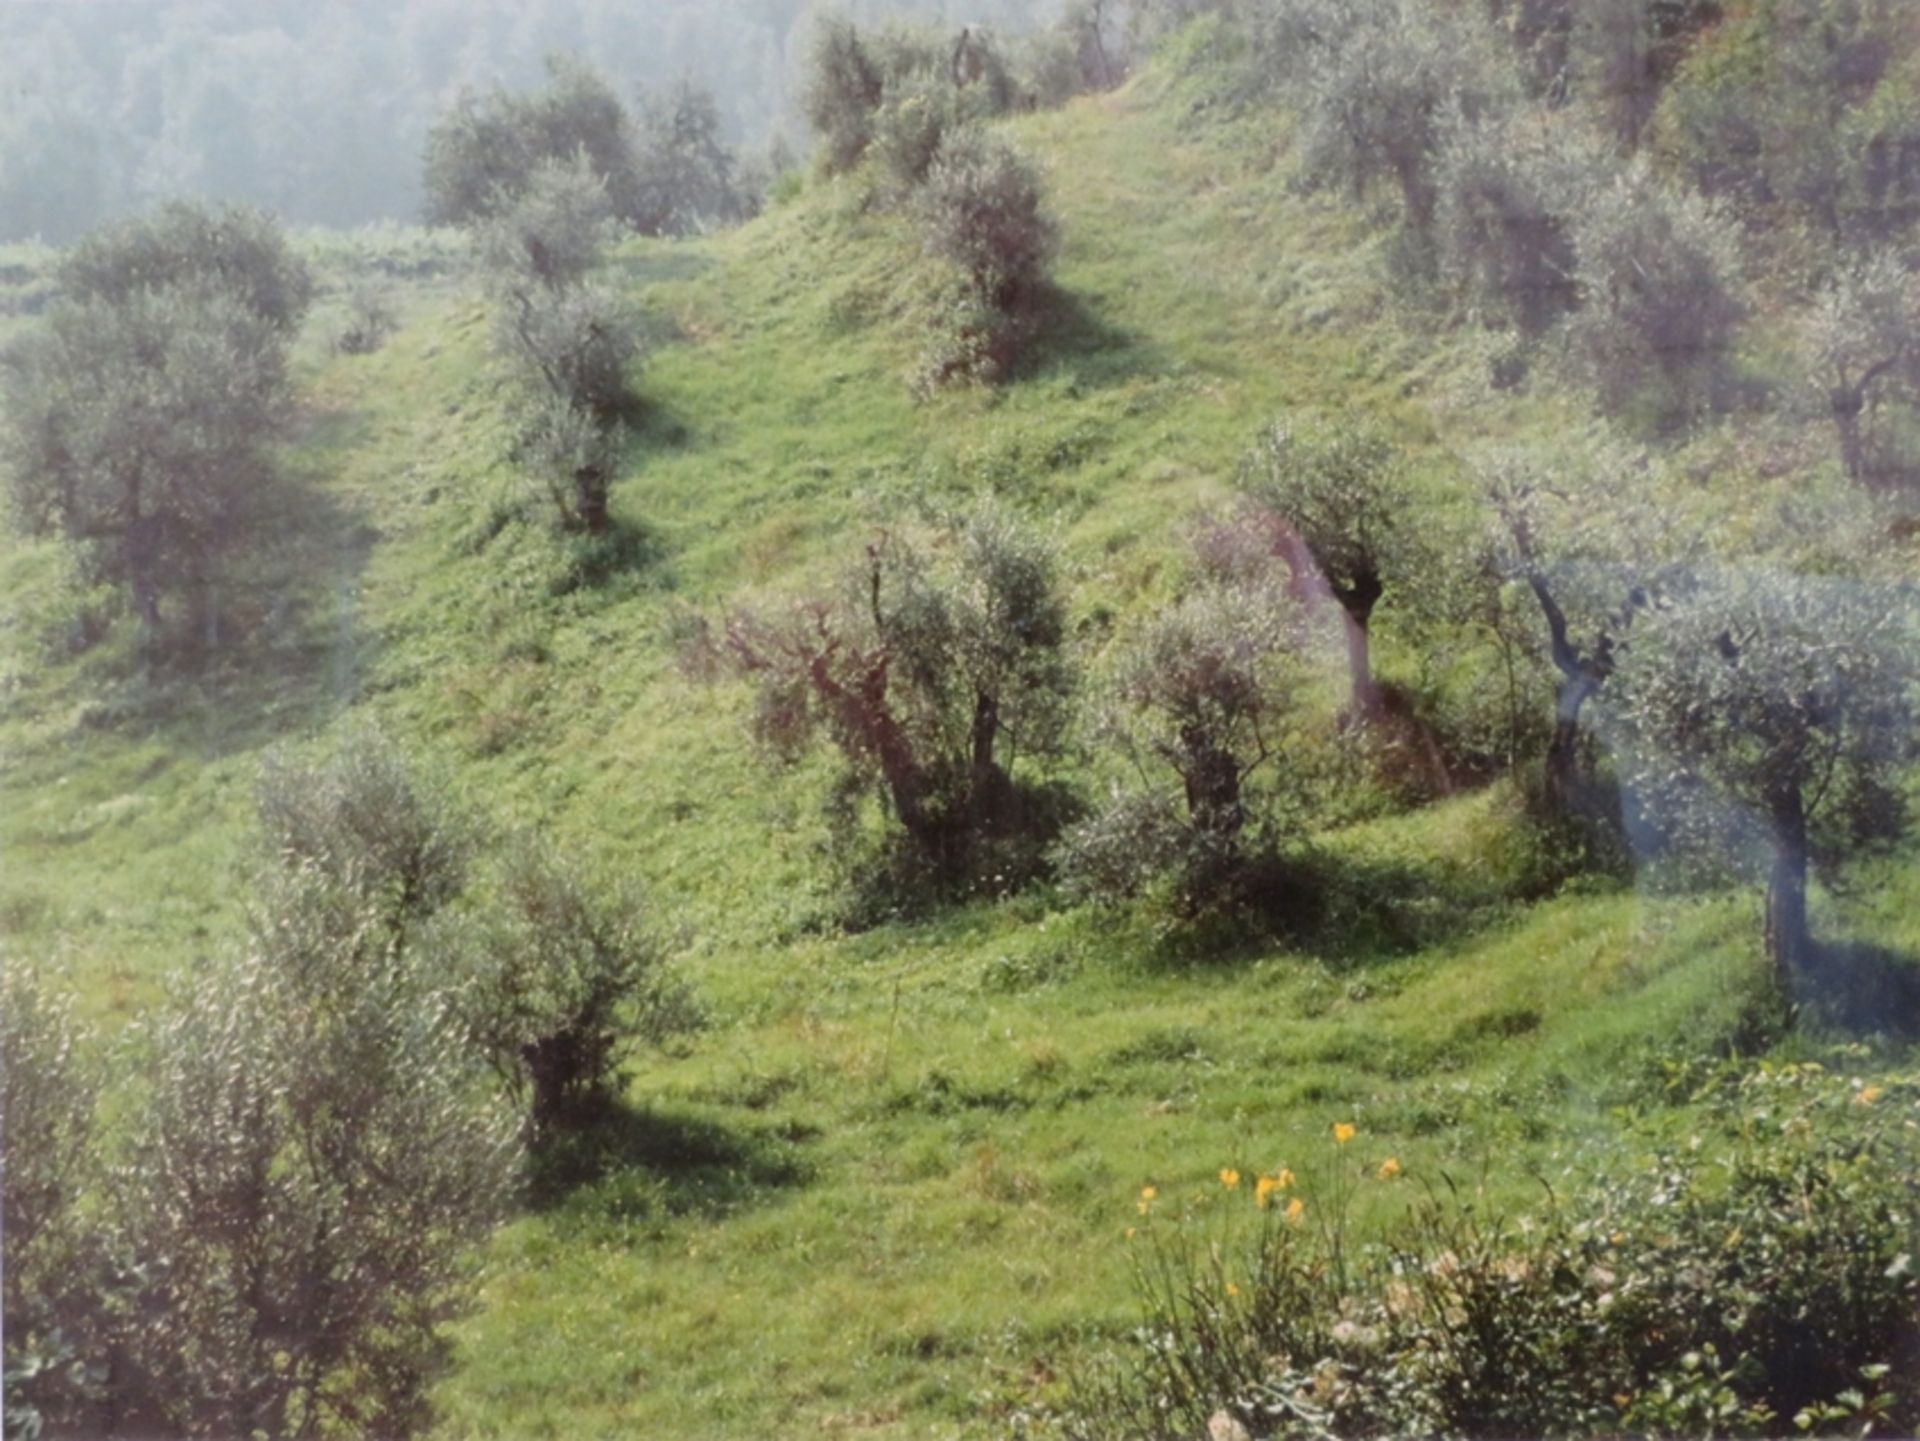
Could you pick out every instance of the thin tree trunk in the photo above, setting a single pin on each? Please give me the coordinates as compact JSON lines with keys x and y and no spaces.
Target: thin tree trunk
{"x":987,"y":783}
{"x":590,"y":500}
{"x":1563,"y":750}
{"x":1847,"y":402}
{"x":1789,"y":942}
{"x":1357,"y":602}
{"x":1366,"y":690}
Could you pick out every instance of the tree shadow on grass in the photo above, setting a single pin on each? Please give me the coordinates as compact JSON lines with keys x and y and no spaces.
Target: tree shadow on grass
{"x":1862,"y":988}
{"x":1071,"y":337}
{"x":622,"y":1163}
{"x":273,"y":647}
{"x":1350,"y":911}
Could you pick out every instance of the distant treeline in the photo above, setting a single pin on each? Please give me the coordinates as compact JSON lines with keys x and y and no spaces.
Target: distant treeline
{"x":320,"y":111}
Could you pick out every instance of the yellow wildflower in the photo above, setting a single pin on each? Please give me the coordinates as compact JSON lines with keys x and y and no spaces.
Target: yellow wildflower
{"x":1296,"y":1208}
{"x":1389,"y":1168}
{"x":1263,"y":1190}
{"x":1232,"y":1290}
{"x":1868,"y":1096}
{"x":1147,"y":1193}
{"x":1342,"y":1133}
{"x":1132,"y":1231}
{"x":1229,"y":1178}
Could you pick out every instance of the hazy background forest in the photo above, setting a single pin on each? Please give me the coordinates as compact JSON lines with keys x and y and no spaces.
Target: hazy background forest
{"x":319,"y":111}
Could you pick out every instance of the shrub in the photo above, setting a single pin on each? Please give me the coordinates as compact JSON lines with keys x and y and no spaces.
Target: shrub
{"x":369,"y":323}
{"x":1757,"y":1281}
{"x":920,"y":111}
{"x":52,"y":1264}
{"x":311,"y":1169}
{"x":564,"y":979}
{"x":1658,"y":274}
{"x":483,"y":152}
{"x":844,"y":89}
{"x":981,"y":211}
{"x":1509,"y":186}
{"x":361,"y":822}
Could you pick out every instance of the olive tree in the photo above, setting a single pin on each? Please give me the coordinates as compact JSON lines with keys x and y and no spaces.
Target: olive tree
{"x":567,"y":340}
{"x":1202,"y":693}
{"x":311,"y":1167}
{"x":563,"y":979}
{"x":484,"y":151}
{"x":550,"y":235}
{"x":940,"y":665}
{"x":1348,"y":513}
{"x":1593,"y":546}
{"x":363,"y":822}
{"x":1509,"y":186}
{"x":140,"y":416}
{"x":1781,"y":697}
{"x":1863,"y":338}
{"x":229,"y":250}
{"x":845,"y":85}
{"x":1386,"y":78}
{"x":982,"y":211}
{"x":1659,"y":278}
{"x":684,"y":170}
{"x":140,"y":431}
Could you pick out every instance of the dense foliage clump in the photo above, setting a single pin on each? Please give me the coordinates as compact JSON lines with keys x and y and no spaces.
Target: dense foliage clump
{"x":140,"y":417}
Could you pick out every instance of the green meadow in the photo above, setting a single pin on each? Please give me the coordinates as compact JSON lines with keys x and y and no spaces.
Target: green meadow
{"x":885,"y":1189}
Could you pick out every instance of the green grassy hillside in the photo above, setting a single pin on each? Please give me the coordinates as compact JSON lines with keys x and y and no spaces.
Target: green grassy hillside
{"x":884,"y":1191}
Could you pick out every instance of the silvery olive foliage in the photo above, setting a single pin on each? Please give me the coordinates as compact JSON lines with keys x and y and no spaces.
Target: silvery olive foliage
{"x":1659,"y":274}
{"x":47,"y":1101}
{"x":363,"y":821}
{"x":1862,"y":334}
{"x":939,"y":668}
{"x":568,"y":341}
{"x":1199,"y":698}
{"x":563,"y":979}
{"x":1381,"y":82}
{"x":139,"y":417}
{"x":983,"y":211}
{"x":1509,"y":186}
{"x":311,"y":1169}
{"x":1344,"y":508}
{"x":1585,"y":541}
{"x":1763,"y":704}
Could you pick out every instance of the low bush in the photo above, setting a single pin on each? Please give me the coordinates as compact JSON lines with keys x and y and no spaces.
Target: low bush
{"x":1755,"y":1278}
{"x":564,"y":978}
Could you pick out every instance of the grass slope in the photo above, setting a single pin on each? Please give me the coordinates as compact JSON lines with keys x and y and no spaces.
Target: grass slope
{"x":885,"y":1191}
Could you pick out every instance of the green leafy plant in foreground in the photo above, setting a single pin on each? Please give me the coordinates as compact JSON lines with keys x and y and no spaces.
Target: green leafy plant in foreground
{"x":1752,"y":1279}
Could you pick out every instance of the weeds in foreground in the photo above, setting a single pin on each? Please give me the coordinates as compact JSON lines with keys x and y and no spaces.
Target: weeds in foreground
{"x":1749,"y":1280}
